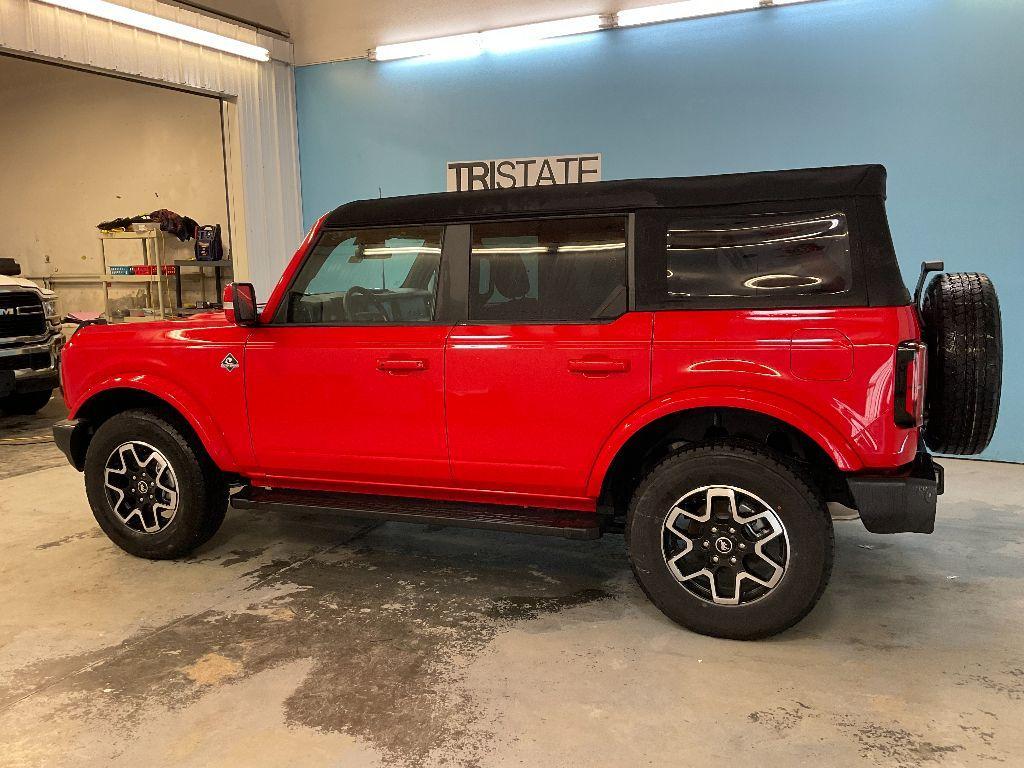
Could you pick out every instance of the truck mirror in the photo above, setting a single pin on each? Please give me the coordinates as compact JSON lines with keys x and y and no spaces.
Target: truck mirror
{"x":241,"y":298}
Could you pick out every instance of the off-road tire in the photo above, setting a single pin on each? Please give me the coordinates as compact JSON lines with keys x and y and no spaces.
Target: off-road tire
{"x":963,"y":331}
{"x":25,"y":404}
{"x":202,"y":491}
{"x":798,"y":505}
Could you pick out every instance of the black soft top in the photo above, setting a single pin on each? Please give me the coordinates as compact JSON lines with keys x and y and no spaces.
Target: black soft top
{"x":693,"y":191}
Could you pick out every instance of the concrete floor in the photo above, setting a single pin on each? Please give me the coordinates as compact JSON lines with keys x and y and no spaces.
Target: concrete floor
{"x":318,"y":642}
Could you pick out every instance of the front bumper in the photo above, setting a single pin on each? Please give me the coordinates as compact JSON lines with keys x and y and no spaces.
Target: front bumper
{"x":72,"y":438}
{"x":900,"y":503}
{"x":31,"y":367}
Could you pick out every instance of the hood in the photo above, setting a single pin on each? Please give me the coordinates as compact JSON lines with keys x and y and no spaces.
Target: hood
{"x":21,"y":282}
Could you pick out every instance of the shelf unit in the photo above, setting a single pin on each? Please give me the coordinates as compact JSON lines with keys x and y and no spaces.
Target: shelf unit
{"x":152,"y":252}
{"x":202,"y":266}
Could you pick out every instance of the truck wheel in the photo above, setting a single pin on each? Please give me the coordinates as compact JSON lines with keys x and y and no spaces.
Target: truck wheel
{"x":154,"y":492}
{"x":964,"y":335}
{"x":25,"y":404}
{"x":729,"y":541}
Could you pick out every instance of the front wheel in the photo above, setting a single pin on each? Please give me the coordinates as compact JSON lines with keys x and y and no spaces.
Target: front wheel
{"x":152,"y":488}
{"x":729,"y":541}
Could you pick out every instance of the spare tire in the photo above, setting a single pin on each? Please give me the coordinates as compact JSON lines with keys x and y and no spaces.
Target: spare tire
{"x":963,"y":331}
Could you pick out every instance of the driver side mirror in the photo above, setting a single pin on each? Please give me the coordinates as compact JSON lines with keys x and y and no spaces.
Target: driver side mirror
{"x":240,"y":304}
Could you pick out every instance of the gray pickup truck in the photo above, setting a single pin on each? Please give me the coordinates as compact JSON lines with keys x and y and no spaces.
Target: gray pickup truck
{"x":30,"y":342}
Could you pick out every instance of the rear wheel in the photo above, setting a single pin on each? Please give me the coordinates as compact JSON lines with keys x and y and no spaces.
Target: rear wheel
{"x":730,"y":541}
{"x":152,"y":490}
{"x":25,"y":404}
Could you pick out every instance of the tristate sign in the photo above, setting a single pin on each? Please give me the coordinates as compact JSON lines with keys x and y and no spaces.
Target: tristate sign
{"x":512,"y":172}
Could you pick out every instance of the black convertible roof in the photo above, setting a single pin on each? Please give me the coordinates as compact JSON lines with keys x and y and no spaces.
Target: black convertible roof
{"x":631,"y":194}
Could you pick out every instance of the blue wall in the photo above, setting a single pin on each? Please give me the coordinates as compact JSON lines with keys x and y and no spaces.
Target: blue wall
{"x":931,"y":88}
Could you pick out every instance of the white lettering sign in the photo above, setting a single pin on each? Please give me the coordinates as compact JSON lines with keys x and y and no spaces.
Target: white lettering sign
{"x":507,"y":173}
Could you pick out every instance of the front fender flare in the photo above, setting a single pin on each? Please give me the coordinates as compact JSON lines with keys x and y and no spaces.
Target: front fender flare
{"x":798,"y":416}
{"x":178,"y":398}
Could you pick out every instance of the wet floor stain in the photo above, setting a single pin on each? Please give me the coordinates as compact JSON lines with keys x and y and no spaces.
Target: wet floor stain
{"x":884,"y":744}
{"x":894,"y":746}
{"x":389,"y":622}
{"x":94,"y":533}
{"x":239,"y":556}
{"x":780,"y":719}
{"x":1008,"y":681}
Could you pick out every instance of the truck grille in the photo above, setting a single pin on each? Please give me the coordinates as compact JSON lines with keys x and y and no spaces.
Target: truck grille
{"x":21,"y":314}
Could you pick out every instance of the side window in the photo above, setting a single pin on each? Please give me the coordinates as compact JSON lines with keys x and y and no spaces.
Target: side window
{"x":367,"y":277}
{"x":768,"y":256}
{"x":549,"y":270}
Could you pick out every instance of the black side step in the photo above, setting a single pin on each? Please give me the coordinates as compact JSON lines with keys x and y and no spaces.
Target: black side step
{"x":495,"y":517}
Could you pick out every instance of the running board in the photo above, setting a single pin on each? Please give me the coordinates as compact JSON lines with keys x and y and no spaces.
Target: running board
{"x":495,"y":517}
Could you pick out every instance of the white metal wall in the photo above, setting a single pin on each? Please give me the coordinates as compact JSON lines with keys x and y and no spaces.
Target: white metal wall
{"x":262,"y":143}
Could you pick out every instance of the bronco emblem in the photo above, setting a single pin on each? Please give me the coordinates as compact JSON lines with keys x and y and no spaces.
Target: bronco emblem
{"x":229,"y":363}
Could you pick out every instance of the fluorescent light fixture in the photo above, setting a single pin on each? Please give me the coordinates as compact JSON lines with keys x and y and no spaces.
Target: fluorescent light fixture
{"x":495,"y":40}
{"x":164,"y":27}
{"x":589,"y":248}
{"x":512,"y":38}
{"x":388,"y":250}
{"x":452,"y":46}
{"x":512,"y":249}
{"x":689,"y":9}
{"x":523,"y":36}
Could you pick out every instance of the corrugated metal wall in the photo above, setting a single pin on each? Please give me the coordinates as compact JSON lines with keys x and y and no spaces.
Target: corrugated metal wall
{"x":266,"y":199}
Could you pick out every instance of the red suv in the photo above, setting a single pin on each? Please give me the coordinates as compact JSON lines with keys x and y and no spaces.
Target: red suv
{"x":701,"y":363}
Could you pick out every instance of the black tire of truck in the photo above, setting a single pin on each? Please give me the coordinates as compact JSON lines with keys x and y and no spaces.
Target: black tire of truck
{"x":25,"y":404}
{"x":963,"y":331}
{"x":801,"y":518}
{"x":201,"y":491}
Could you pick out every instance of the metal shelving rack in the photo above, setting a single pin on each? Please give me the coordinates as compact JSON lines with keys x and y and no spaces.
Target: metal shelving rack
{"x":151,"y":255}
{"x":201,"y":266}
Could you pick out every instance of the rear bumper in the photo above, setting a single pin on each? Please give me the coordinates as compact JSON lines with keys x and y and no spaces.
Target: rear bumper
{"x":72,"y":438}
{"x":902,"y":503}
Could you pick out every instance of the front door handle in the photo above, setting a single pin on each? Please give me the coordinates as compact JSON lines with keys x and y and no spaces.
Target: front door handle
{"x":401,"y":366}
{"x":598,"y":367}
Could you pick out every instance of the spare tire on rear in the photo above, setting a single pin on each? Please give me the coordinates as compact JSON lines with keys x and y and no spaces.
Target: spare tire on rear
{"x":963,"y":331}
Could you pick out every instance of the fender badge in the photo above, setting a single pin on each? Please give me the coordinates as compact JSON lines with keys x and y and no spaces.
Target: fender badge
{"x":229,"y":363}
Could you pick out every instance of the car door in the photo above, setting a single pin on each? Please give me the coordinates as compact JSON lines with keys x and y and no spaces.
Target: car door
{"x":550,"y":360}
{"x":346,"y":384}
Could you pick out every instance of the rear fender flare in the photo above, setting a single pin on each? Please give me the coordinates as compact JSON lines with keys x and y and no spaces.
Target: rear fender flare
{"x":798,"y":416}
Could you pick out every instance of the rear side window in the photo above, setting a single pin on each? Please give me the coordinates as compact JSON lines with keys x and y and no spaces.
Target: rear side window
{"x":551,"y":270}
{"x":758,"y":256}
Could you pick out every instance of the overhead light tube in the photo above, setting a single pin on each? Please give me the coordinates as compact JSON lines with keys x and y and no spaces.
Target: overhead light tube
{"x":688,"y":9}
{"x":525,"y":35}
{"x":452,"y":46}
{"x":494,"y":40}
{"x":164,"y":27}
{"x":512,"y":38}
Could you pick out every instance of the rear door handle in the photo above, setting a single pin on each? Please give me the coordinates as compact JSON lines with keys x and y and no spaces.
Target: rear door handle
{"x":401,"y":366}
{"x":598,"y":367}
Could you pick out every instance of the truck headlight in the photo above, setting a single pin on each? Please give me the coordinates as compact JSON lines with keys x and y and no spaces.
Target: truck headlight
{"x":50,"y":308}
